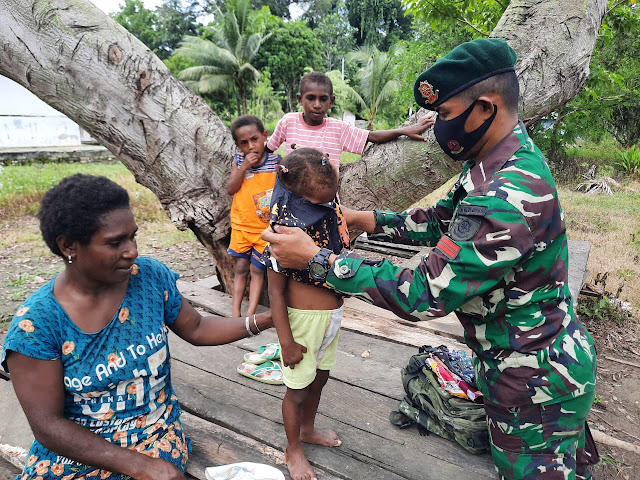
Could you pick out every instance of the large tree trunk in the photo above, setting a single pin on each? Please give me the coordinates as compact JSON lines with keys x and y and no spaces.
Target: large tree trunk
{"x":85,"y":65}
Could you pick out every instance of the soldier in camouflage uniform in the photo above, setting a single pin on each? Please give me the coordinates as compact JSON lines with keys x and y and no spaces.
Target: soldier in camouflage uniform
{"x":499,"y":262}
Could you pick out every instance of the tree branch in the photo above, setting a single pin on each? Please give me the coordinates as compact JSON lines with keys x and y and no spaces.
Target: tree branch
{"x":616,"y":5}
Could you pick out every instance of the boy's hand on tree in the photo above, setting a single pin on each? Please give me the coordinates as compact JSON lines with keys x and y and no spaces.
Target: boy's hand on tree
{"x":414,"y":131}
{"x":292,"y":354}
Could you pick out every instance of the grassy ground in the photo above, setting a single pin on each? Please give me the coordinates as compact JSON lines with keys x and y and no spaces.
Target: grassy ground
{"x":22,"y":188}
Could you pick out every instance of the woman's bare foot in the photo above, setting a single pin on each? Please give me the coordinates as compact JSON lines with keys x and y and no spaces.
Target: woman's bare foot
{"x":297,"y":463}
{"x":328,"y":438}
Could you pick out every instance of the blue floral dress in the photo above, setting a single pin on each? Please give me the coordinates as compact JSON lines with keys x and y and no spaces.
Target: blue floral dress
{"x":117,"y":381}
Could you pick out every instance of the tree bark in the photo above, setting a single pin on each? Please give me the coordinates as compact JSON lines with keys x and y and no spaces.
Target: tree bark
{"x":553,"y":61}
{"x":84,"y":64}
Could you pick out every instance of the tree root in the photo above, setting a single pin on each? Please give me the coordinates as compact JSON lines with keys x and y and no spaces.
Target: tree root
{"x":605,"y":439}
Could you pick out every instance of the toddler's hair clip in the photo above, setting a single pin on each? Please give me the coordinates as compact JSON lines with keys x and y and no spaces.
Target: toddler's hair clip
{"x":325,"y":159}
{"x":283,"y":169}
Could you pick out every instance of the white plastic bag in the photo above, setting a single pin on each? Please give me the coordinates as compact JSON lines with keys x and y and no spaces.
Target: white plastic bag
{"x":243,"y":471}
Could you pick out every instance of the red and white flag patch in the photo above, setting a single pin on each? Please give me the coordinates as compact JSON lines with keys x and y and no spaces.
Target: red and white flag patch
{"x":448,"y":247}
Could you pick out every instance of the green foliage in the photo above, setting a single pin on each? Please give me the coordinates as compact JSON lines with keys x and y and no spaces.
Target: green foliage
{"x":346,"y":97}
{"x":279,"y":8}
{"x":160,"y":30}
{"x":419,"y":53}
{"x":227,"y":60}
{"x":611,"y":100}
{"x":376,"y":79}
{"x":629,"y":161}
{"x":609,"y":106}
{"x":267,"y":104}
{"x":318,"y":9}
{"x":174,"y":22}
{"x":601,"y":309}
{"x":379,"y":23}
{"x":479,"y":17}
{"x":291,"y":50}
{"x":336,"y":35}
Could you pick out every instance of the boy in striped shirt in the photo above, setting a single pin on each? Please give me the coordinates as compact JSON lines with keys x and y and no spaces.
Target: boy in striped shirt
{"x":312,"y":129}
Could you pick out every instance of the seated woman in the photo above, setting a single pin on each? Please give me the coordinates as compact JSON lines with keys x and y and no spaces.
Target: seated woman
{"x":88,"y":351}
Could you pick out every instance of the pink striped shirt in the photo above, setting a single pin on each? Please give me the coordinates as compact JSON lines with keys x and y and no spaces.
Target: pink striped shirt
{"x":332,"y":137}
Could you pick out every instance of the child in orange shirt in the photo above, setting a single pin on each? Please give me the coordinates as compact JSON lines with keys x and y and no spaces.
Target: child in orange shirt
{"x":251,"y":181}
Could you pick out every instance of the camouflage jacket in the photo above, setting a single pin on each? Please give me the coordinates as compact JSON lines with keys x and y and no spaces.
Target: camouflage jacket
{"x":500,"y":262}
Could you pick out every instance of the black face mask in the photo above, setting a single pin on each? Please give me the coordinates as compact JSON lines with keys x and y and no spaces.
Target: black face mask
{"x":452,"y":137}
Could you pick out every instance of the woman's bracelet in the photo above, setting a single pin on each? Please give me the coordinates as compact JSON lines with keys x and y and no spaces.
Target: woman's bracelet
{"x":246,"y":324}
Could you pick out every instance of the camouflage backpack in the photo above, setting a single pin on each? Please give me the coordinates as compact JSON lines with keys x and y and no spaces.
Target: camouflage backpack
{"x":434,"y":409}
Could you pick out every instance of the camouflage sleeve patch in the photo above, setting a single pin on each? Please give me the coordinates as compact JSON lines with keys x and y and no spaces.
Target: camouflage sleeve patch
{"x":467,"y":222}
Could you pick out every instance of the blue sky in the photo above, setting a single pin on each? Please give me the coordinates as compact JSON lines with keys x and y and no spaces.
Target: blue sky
{"x":110,"y":6}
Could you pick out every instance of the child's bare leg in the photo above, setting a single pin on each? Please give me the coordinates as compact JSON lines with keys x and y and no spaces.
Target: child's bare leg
{"x":308,"y":433}
{"x":297,"y":463}
{"x":239,"y":284}
{"x":255,"y":288}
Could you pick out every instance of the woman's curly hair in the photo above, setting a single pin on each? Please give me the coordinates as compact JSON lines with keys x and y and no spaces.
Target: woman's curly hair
{"x":74,"y":207}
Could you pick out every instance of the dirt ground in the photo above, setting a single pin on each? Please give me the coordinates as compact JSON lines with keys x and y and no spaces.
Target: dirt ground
{"x":26,"y":264}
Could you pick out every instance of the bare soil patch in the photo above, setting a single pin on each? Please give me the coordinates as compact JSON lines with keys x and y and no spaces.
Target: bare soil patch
{"x":26,"y":264}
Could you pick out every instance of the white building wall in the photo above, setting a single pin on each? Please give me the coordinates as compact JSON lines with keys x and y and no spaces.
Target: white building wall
{"x":26,"y":121}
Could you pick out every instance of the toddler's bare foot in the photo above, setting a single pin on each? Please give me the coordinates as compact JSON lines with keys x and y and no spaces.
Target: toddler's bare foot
{"x":321,"y":437}
{"x":297,"y":463}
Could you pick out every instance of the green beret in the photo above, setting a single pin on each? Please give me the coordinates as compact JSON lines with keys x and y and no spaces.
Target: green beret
{"x":465,"y":65}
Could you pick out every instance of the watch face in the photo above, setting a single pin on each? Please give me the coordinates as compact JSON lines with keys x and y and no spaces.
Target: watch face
{"x":317,"y":270}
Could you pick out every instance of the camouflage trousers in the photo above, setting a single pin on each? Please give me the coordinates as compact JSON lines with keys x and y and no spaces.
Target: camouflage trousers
{"x":542,"y":442}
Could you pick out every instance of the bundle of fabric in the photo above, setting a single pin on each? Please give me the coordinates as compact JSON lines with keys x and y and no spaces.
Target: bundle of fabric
{"x":441,"y":397}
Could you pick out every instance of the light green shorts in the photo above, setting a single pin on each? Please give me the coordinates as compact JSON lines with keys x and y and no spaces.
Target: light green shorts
{"x":318,"y":330}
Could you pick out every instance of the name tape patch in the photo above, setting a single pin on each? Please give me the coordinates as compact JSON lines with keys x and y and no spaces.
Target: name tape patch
{"x":475,"y":210}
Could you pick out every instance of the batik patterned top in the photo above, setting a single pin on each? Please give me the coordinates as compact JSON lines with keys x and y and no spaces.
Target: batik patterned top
{"x":323,"y":222}
{"x":332,"y":137}
{"x":500,"y":262}
{"x":116,"y":381}
{"x":251,"y":203}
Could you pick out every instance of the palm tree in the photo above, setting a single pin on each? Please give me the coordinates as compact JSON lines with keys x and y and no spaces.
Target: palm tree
{"x":225,"y":61}
{"x":375,"y":77}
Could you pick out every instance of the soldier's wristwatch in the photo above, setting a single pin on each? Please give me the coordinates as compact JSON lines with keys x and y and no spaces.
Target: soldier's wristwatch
{"x":318,"y":266}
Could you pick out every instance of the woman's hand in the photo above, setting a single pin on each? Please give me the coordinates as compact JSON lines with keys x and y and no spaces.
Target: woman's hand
{"x":290,"y":246}
{"x":159,"y":469}
{"x":292,"y":354}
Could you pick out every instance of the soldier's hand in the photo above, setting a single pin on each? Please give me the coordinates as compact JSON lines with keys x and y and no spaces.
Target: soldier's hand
{"x":290,"y":246}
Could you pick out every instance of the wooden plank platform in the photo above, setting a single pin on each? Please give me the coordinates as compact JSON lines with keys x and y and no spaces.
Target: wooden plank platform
{"x":356,"y":403}
{"x":232,"y":418}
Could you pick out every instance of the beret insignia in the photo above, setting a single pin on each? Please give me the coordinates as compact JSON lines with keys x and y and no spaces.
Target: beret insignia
{"x":428,"y":93}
